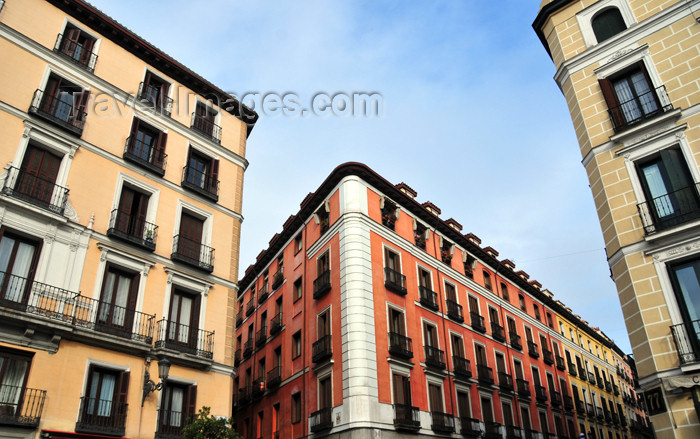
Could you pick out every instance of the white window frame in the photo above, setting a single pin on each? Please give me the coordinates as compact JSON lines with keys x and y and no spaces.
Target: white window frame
{"x":99,"y":363}
{"x":423,"y":322}
{"x":125,"y":260}
{"x":191,"y":209}
{"x":152,"y":192}
{"x":386,"y":247}
{"x":586,"y":15}
{"x":98,"y":40}
{"x":436,"y":382}
{"x":329,"y":310}
{"x":191,"y":284}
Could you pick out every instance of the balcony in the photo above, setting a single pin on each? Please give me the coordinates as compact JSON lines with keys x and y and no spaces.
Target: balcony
{"x":599,"y":414}
{"x":532,"y":434}
{"x":599,"y":381}
{"x":145,"y":155}
{"x":132,"y":228}
{"x":395,"y":281}
{"x":400,"y":345}
{"x":484,"y":374}
{"x":59,"y":111}
{"x":555,"y":397}
{"x":470,"y":427}
{"x":580,"y":406}
{"x":687,"y":339}
{"x":568,"y":403}
{"x":428,"y":298}
{"x":505,"y":381}
{"x":171,"y":423}
{"x":276,"y":324}
{"x":250,"y":306}
{"x":75,"y":52}
{"x":454,"y":311}
{"x":277,"y":279}
{"x":582,"y":373}
{"x":245,"y":395}
{"x":239,"y":316}
{"x":498,"y":332}
{"x":492,"y":430}
{"x":442,"y":422}
{"x":608,"y":386}
{"x":263,"y":294}
{"x":321,"y":349}
{"x":205,"y":126}
{"x":101,"y":416}
{"x":540,"y":393}
{"x":261,"y":336}
{"x":590,"y":411}
{"x":153,"y":96}
{"x":477,"y":322}
{"x":513,"y":432}
{"x":462,"y":367}
{"x":406,"y":417}
{"x":591,"y":378}
{"x":515,"y":341}
{"x":639,"y":109}
{"x":532,"y":349}
{"x":670,"y":210}
{"x":615,"y":418}
{"x":321,"y":420}
{"x":547,"y":356}
{"x":274,"y":377}
{"x":322,"y":284}
{"x":238,"y":357}
{"x":258,"y":388}
{"x":572,"y":369}
{"x":21,"y":406}
{"x":35,"y":190}
{"x":607,"y":415}
{"x":616,"y":389}
{"x":434,"y":357}
{"x":561,"y":365}
{"x":185,"y":339}
{"x":523,"y":388}
{"x":192,"y":253}
{"x":200,"y":182}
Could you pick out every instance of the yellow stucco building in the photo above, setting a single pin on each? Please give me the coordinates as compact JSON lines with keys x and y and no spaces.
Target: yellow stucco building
{"x":120,"y":215}
{"x":628,"y":70}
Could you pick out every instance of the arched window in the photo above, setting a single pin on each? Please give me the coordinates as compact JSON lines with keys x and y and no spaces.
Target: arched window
{"x":607,"y":24}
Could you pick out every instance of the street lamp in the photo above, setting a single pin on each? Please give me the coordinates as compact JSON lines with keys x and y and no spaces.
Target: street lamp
{"x":148,"y":384}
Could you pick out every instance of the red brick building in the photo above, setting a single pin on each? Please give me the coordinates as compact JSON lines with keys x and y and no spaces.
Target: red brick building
{"x":369,"y":316}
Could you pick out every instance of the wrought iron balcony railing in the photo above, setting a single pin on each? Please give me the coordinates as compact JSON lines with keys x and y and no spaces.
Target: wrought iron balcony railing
{"x":670,"y":210}
{"x":322,"y":284}
{"x":21,"y":406}
{"x":492,"y":430}
{"x":245,"y":394}
{"x":547,"y":356}
{"x":152,"y":95}
{"x":239,"y":316}
{"x":434,"y":357}
{"x":590,"y":411}
{"x":101,"y":416}
{"x":406,"y":417}
{"x":470,"y":427}
{"x":276,"y":324}
{"x":687,"y":339}
{"x":591,"y":378}
{"x":207,"y":127}
{"x":442,"y":422}
{"x":132,"y":228}
{"x":505,"y":381}
{"x":540,"y":393}
{"x":75,"y":52}
{"x":274,"y":377}
{"x":523,"y":388}
{"x":454,"y":311}
{"x":395,"y":281}
{"x":184,"y":338}
{"x":200,"y":182}
{"x":400,"y":345}
{"x":321,"y":349}
{"x":572,"y":369}
{"x":560,"y":362}
{"x":498,"y":332}
{"x":462,"y":367}
{"x":261,"y":336}
{"x":145,"y":155}
{"x":477,"y":322}
{"x":35,"y":190}
{"x":171,"y":423}
{"x":484,"y":374}
{"x":277,"y":279}
{"x":582,"y":373}
{"x":580,"y":406}
{"x":258,"y":387}
{"x":321,"y":420}
{"x":568,"y":402}
{"x":263,"y":293}
{"x":428,"y":298}
{"x":599,"y":381}
{"x":59,"y":110}
{"x":250,"y":306}
{"x":555,"y":398}
{"x":193,"y":253}
{"x":532,"y":349}
{"x":515,"y":341}
{"x":640,"y":108}
{"x":513,"y":432}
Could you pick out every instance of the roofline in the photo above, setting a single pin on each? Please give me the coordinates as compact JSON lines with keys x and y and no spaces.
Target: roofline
{"x":363,"y":171}
{"x":142,"y":49}
{"x":542,"y":17}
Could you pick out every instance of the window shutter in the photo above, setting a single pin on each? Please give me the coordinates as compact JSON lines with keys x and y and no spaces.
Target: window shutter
{"x":618,"y":119}
{"x":122,"y":389}
{"x":79,"y":109}
{"x":159,"y":158}
{"x":675,"y":168}
{"x":134,"y":128}
{"x":214,"y":180}
{"x":191,"y":401}
{"x":71,"y":43}
{"x":194,"y":324}
{"x":86,"y":53}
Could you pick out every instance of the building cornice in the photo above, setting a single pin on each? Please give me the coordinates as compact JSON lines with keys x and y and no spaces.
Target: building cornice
{"x":543,"y":16}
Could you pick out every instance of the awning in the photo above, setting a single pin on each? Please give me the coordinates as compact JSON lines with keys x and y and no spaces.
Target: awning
{"x":683,"y":381}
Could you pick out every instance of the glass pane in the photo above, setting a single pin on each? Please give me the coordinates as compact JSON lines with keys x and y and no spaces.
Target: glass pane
{"x":658,"y":190}
{"x":690,"y":289}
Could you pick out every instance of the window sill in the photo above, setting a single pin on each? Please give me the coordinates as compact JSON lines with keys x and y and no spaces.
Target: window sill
{"x":676,"y":230}
{"x":638,"y":129}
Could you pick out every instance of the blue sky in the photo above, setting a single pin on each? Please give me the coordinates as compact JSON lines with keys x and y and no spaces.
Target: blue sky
{"x":472,"y":120}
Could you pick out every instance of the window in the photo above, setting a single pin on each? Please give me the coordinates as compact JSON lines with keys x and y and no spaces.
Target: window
{"x":402,"y":389}
{"x":430,"y":337}
{"x":325,"y":393}
{"x":128,"y":220}
{"x":487,"y":280}
{"x":259,"y":427}
{"x":388,"y":209}
{"x":670,"y":193}
{"x":396,"y":322}
{"x":117,"y":300}
{"x":463,"y":405}
{"x":469,"y":261}
{"x":536,"y":309}
{"x":146,"y":146}
{"x":36,"y":180}
{"x":183,"y":318}
{"x":201,"y":174}
{"x":77,"y":45}
{"x":394,"y":280}
{"x":296,"y":345}
{"x":275,"y":420}
{"x":550,"y":323}
{"x":14,"y":368}
{"x":18,"y":258}
{"x":521,"y":299}
{"x":561,"y":328}
{"x":104,"y":403}
{"x":435,"y":398}
{"x":298,"y":243}
{"x":62,"y":102}
{"x":685,"y":278}
{"x":178,"y":404}
{"x":203,"y":121}
{"x":188,"y":246}
{"x":298,"y":289}
{"x":631,"y":96}
{"x":450,"y":293}
{"x":323,"y":219}
{"x":504,"y":292}
{"x":154,"y":92}
{"x":607,"y":23}
{"x":296,"y":408}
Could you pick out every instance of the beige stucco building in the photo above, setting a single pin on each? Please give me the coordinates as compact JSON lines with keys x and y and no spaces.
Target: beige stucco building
{"x":630,"y":73}
{"x":120,"y":215}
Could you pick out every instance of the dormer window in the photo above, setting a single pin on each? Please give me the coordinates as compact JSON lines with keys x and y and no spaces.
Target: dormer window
{"x":388,"y":213}
{"x":607,"y":23}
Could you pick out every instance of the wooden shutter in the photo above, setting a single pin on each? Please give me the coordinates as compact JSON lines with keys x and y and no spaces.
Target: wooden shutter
{"x":191,"y":401}
{"x":486,"y":410}
{"x":70,"y":43}
{"x":463,"y":405}
{"x":86,"y":53}
{"x":525,"y":417}
{"x":435,"y":398}
{"x":500,"y":363}
{"x":507,"y":414}
{"x":214,"y":177}
{"x":399,"y":394}
{"x":80,"y":101}
{"x":122,"y":391}
{"x":473,"y":305}
{"x":159,"y":156}
{"x":613,"y":104}
{"x":493,"y":314}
